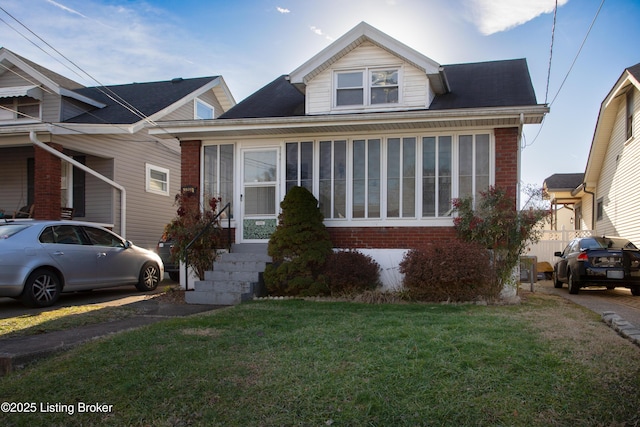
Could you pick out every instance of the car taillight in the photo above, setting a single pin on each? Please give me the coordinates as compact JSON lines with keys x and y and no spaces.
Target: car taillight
{"x":583,"y":257}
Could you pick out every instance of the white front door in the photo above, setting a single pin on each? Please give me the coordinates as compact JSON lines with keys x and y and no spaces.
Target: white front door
{"x":259,"y":194}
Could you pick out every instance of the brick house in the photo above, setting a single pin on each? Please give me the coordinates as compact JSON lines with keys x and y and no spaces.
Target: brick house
{"x":383,"y":136}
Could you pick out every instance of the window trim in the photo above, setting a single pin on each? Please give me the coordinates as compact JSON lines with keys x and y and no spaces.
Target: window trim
{"x":600,"y":209}
{"x":205,"y":104}
{"x":14,"y":110}
{"x":148,"y":179}
{"x":366,"y":88}
{"x":629,"y":99}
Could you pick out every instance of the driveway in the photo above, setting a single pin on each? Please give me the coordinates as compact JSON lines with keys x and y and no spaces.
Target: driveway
{"x":599,"y":299}
{"x":117,"y":296}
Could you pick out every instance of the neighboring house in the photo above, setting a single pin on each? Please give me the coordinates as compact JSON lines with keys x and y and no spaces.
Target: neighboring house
{"x":88,"y":148}
{"x":565,"y":208}
{"x":383,"y":136}
{"x":607,"y":200}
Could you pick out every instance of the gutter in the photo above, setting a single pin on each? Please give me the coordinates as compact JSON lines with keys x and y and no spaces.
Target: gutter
{"x":123,"y":199}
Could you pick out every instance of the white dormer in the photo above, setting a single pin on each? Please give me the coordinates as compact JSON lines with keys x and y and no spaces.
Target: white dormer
{"x":367,"y":71}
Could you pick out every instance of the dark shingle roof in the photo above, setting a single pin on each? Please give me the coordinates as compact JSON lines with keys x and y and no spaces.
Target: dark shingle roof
{"x":487,"y":84}
{"x":148,"y":98}
{"x":635,"y":71}
{"x":277,"y":99}
{"x":564,"y":181}
{"x":483,"y":84}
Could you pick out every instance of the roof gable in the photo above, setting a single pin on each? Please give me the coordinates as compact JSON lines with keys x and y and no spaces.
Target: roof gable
{"x":132,"y":103}
{"x":355,"y":37}
{"x":606,"y":121}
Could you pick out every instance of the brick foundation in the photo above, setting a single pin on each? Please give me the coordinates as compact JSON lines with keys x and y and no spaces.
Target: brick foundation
{"x":388,"y":237}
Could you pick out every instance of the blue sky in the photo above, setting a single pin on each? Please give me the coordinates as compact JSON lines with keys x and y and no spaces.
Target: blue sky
{"x":250,"y":43}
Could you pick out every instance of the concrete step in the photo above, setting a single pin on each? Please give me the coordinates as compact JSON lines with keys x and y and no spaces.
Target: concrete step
{"x":243,"y":257}
{"x":237,"y":286}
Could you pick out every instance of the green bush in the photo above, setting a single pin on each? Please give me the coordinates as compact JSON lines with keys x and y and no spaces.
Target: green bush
{"x":299,"y":247}
{"x":452,"y":271}
{"x":351,"y":272}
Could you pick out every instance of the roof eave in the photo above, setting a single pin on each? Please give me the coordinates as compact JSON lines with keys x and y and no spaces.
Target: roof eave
{"x":423,"y":119}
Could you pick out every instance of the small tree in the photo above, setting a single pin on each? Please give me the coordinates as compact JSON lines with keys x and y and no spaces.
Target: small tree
{"x":496,"y":224}
{"x":298,"y":247}
{"x":190,"y":221}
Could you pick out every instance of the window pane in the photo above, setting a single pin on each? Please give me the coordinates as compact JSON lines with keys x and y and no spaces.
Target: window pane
{"x":211,"y":170}
{"x":384,"y":95}
{"x":203,"y":111}
{"x":482,"y":163}
{"x":444,"y":175}
{"x":393,"y":177}
{"x":29,"y":111}
{"x":226,"y":175}
{"x":340,"y":179}
{"x":374,"y":178}
{"x":429,"y":176}
{"x":349,"y":97}
{"x":350,"y":79}
{"x":408,"y":177}
{"x":292,"y":165}
{"x":384,"y":78}
{"x":260,"y":200}
{"x":325,"y":178}
{"x":466,"y":166}
{"x":260,"y":166}
{"x":359,"y":175}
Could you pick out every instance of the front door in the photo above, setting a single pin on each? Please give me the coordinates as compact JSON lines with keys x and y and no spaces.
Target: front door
{"x":259,"y":194}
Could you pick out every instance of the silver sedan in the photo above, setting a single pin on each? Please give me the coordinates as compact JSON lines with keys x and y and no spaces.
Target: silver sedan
{"x":41,"y":259}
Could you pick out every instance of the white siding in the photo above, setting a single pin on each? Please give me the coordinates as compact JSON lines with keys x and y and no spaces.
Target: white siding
{"x":187,"y":111}
{"x":415,"y":85}
{"x":620,"y":179}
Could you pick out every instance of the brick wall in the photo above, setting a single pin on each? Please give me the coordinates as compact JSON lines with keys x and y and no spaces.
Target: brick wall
{"x":388,"y":237}
{"x":507,"y":160}
{"x":47,"y":176}
{"x":190,"y":166}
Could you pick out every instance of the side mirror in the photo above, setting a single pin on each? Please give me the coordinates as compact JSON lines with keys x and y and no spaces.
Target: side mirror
{"x":127,"y":244}
{"x":558,"y":254}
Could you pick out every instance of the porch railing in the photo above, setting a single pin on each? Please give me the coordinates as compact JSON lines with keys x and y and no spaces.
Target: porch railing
{"x":226,"y":207}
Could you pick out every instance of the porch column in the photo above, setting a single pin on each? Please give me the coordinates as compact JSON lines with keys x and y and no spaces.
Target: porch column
{"x":47,"y":176}
{"x":190,"y":166}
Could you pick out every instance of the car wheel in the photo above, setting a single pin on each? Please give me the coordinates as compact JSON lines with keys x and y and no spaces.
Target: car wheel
{"x":611,"y":287}
{"x":42,"y":289}
{"x":635,"y":291}
{"x":574,"y":287}
{"x":174,"y":275}
{"x":556,"y":283}
{"x":149,"y":277}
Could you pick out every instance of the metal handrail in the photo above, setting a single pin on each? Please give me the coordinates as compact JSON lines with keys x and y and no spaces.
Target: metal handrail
{"x":186,"y":249}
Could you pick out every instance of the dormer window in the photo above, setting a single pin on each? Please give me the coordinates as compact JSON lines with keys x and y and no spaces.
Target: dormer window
{"x":366,"y":87}
{"x":19,"y":108}
{"x":204,"y":111}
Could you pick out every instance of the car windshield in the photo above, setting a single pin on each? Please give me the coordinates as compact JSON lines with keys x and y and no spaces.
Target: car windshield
{"x":8,"y":230}
{"x":606,"y":243}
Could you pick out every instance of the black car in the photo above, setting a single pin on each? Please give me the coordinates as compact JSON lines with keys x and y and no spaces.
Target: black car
{"x":165,"y":245}
{"x":613,"y":262}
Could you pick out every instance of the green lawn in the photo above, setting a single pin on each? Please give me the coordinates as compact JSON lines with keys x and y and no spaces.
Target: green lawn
{"x":274,"y":363}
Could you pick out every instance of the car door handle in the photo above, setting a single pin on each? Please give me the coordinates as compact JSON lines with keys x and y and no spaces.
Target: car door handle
{"x":102,"y":255}
{"x":58,"y":253}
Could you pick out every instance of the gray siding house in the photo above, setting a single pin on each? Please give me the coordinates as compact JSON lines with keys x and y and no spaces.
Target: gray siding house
{"x":63,"y":145}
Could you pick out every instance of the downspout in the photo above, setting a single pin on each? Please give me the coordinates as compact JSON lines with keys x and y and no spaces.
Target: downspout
{"x":519,"y":166}
{"x":593,"y":206}
{"x":123,"y":198}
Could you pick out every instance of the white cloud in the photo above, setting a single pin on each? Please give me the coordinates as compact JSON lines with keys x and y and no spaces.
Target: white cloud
{"x":65,"y":8}
{"x":493,"y":16}
{"x":319,"y":32}
{"x":283,"y":10}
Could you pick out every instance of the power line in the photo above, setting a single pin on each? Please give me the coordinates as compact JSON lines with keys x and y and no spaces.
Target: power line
{"x":553,"y":32}
{"x":584,"y":40}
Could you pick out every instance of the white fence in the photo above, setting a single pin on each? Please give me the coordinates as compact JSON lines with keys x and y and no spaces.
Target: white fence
{"x":554,"y":241}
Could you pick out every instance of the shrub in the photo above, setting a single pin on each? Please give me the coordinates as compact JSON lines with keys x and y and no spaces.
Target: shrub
{"x":299,"y":247}
{"x":452,"y":271}
{"x":350,"y":272}
{"x":191,"y":220}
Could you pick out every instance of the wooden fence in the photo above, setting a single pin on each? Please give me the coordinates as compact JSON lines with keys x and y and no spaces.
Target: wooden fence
{"x":554,"y":241}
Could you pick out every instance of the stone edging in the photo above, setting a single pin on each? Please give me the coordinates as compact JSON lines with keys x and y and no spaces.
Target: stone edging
{"x":621,"y":326}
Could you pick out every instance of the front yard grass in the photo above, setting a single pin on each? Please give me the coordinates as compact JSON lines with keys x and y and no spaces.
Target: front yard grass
{"x":268,"y":363}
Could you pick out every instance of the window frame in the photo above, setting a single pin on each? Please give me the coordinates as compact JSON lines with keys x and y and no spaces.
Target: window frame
{"x":629,"y":99}
{"x":217,"y":180}
{"x":14,"y":109}
{"x":149,"y":168}
{"x":196,"y":103}
{"x":367,"y":87}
